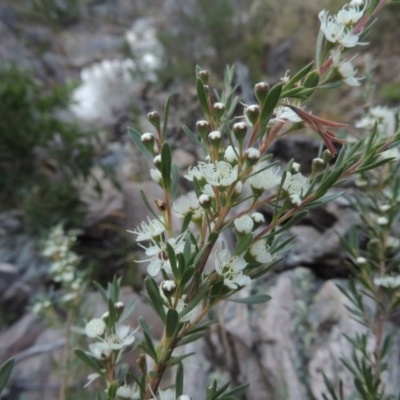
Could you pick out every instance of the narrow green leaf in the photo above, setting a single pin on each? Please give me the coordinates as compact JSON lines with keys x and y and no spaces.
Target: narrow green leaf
{"x":186,"y":221}
{"x":128,"y":310}
{"x":5,"y":372}
{"x":202,"y":96}
{"x":190,"y":338}
{"x":293,"y":92}
{"x":300,"y":75}
{"x":112,"y":390}
{"x":311,"y":80}
{"x":244,"y":244}
{"x":179,"y":381}
{"x":270,"y":102}
{"x":136,"y":137}
{"x":155,"y":298}
{"x":101,"y":290}
{"x":166,"y":163}
{"x":177,"y":360}
{"x":172,"y":322}
{"x":166,"y":114}
{"x":174,"y":182}
{"x":187,"y":275}
{"x":172,"y":260}
{"x":88,"y":360}
{"x":112,"y":318}
{"x":236,"y":392}
{"x":196,"y":300}
{"x":293,"y":221}
{"x":257,"y":299}
{"x":150,"y":351}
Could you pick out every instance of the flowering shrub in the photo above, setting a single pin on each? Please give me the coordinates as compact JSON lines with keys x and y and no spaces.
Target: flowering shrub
{"x":236,"y":179}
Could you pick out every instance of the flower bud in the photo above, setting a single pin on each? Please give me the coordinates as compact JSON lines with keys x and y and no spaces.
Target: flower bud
{"x":382,"y":221}
{"x":119,"y":308}
{"x":148,"y":141}
{"x":215,"y":138}
{"x":261,"y":90}
{"x":240,"y":131}
{"x":184,"y":397}
{"x":154,"y":119}
{"x":244,"y":224}
{"x":231,"y":155}
{"x":157,"y":161}
{"x":317,"y":165}
{"x":384,"y":207}
{"x":361,"y":260}
{"x":252,"y":113}
{"x":202,"y":128}
{"x":205,"y":201}
{"x":219,"y":110}
{"x":105,"y":317}
{"x":258,"y":219}
{"x":252,"y":156}
{"x":168,"y":287}
{"x":204,"y":76}
{"x":327,"y":156}
{"x":156,"y":175}
{"x":95,"y":328}
{"x":295,"y":168}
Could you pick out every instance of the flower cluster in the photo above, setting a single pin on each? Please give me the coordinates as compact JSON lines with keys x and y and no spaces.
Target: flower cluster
{"x":341,"y":32}
{"x":106,"y":87}
{"x":111,"y":339}
{"x":63,"y":267}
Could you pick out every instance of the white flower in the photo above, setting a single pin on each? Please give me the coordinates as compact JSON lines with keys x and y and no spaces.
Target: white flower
{"x":231,"y":268}
{"x":266,"y":179}
{"x":231,"y":155}
{"x":335,"y":32}
{"x":283,"y":114}
{"x":258,"y":218}
{"x":238,"y":187}
{"x":129,"y":393}
{"x":296,"y":184}
{"x":194,"y":172}
{"x":220,"y":174}
{"x":356,"y":3}
{"x":149,"y":231}
{"x":208,"y":189}
{"x":186,"y":204}
{"x":244,"y":224}
{"x":100,"y":350}
{"x":260,"y":252}
{"x":388,"y":281}
{"x":381,"y":112}
{"x":121,"y":338}
{"x":168,"y":394}
{"x":159,"y":256}
{"x":349,"y":15}
{"x":344,"y":68}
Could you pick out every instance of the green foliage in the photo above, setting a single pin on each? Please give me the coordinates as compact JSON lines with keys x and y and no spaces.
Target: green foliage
{"x":5,"y":372}
{"x":43,"y":159}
